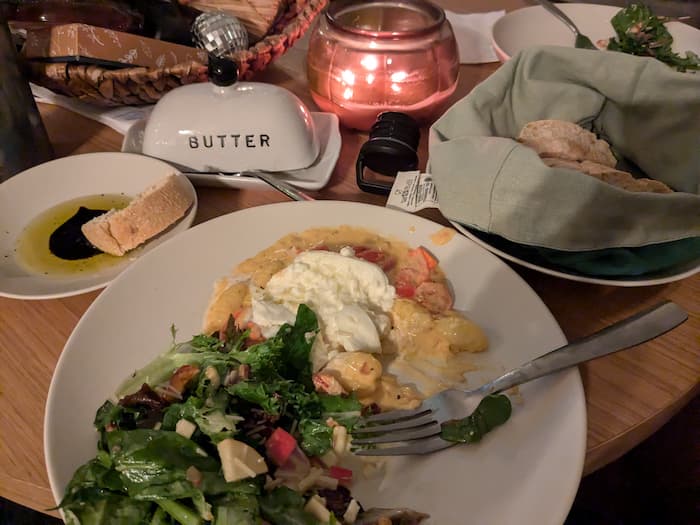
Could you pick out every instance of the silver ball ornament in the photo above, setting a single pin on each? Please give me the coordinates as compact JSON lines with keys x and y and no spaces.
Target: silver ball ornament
{"x":219,"y":33}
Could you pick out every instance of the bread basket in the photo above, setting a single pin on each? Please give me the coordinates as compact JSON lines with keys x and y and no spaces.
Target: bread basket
{"x":140,"y":85}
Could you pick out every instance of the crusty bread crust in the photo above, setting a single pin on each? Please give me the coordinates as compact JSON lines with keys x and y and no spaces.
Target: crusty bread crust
{"x":97,"y":232}
{"x":151,"y":212}
{"x":621,"y":179}
{"x":566,"y":140}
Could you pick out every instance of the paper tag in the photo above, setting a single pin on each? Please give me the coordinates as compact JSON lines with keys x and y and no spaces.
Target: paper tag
{"x":413,"y":191}
{"x":118,"y":118}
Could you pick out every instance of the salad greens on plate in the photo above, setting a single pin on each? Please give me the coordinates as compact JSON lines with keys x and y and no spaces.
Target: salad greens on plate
{"x":640,"y":32}
{"x":223,"y":430}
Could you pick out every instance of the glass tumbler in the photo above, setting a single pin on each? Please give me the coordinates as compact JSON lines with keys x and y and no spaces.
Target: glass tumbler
{"x":366,"y":57}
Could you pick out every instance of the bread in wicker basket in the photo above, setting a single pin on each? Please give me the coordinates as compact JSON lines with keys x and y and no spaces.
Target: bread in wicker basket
{"x":258,"y":16}
{"x":139,"y":85}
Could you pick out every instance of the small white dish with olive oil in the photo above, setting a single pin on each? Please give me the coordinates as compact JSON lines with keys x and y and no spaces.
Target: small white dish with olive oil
{"x":41,"y":255}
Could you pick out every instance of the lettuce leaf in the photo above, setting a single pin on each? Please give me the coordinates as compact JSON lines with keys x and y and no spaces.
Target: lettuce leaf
{"x":283,"y":506}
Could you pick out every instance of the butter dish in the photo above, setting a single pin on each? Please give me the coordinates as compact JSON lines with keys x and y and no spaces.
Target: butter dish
{"x":223,"y":127}
{"x":211,"y":127}
{"x":313,"y":177}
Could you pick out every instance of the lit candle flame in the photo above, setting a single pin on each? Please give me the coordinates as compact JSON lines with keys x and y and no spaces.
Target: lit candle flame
{"x":399,"y":76}
{"x":348,"y":77}
{"x":369,"y":62}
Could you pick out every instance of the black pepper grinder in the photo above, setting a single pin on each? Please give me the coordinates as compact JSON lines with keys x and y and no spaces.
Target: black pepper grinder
{"x":392,"y":147}
{"x":23,"y":139}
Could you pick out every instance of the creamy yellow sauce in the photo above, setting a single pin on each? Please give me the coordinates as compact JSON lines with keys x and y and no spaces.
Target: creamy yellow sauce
{"x":442,"y":236}
{"x":426,"y":350}
{"x":261,"y":267}
{"x":268,"y":262}
{"x":391,"y":395}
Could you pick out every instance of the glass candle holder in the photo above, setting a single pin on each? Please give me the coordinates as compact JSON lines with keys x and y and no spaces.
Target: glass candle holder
{"x":366,"y":57}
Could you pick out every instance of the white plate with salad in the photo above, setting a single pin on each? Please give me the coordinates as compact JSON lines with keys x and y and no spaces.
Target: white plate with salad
{"x":223,"y":438}
{"x":514,"y":32}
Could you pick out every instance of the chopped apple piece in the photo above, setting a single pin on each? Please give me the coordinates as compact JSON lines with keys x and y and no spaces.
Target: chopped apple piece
{"x":240,"y":461}
{"x":185,"y":428}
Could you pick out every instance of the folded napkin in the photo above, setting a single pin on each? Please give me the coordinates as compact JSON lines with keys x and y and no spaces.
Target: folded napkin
{"x":473,"y":34}
{"x":647,"y":111}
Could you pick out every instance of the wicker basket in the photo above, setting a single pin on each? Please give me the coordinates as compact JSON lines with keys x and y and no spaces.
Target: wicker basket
{"x":140,"y":85}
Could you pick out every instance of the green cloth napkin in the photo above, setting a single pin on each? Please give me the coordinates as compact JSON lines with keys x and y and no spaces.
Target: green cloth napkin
{"x":647,"y":111}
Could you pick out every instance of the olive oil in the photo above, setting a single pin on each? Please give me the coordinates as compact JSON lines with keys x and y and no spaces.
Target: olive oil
{"x":32,"y":250}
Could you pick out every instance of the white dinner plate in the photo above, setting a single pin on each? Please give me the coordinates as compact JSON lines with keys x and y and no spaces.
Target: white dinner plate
{"x":534,"y":26}
{"x":669,"y":275}
{"x":526,"y":472}
{"x":42,"y":187}
{"x":314,"y":177}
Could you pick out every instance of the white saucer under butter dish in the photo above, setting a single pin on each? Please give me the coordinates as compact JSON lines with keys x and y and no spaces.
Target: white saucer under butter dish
{"x":313,"y":177}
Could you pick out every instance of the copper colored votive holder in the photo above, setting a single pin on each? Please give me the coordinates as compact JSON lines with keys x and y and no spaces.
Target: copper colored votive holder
{"x":368,"y":57}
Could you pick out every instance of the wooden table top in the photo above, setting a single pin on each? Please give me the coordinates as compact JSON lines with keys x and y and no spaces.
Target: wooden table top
{"x":629,"y":395}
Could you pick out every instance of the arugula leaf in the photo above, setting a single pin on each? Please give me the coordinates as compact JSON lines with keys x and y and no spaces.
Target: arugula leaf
{"x":178,"y":411}
{"x":287,"y":354}
{"x":298,"y":340}
{"x":93,"y":497}
{"x":265,"y":359}
{"x":91,"y":483}
{"x":492,"y":411}
{"x":262,"y":394}
{"x":242,"y":509}
{"x":155,"y":457}
{"x":305,"y":403}
{"x":180,"y":513}
{"x":210,"y":417}
{"x":108,"y":414}
{"x":113,"y":416}
{"x":283,"y":506}
{"x":640,"y":32}
{"x":279,"y":398}
{"x":316,"y":437}
{"x":153,"y":466}
{"x":233,"y":342}
{"x":214,"y":484}
{"x":111,"y":509}
{"x":340,"y":404}
{"x":160,"y":517}
{"x":206,"y":343}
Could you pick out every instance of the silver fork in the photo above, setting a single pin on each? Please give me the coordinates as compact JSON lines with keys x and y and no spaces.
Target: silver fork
{"x":404,"y":432}
{"x":269,"y":178}
{"x":581,"y":41}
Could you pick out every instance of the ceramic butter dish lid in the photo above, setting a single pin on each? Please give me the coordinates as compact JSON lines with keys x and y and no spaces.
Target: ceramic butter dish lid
{"x":229,"y":126}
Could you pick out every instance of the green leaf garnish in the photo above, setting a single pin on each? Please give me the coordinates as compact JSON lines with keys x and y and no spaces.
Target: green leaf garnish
{"x":491,"y":412}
